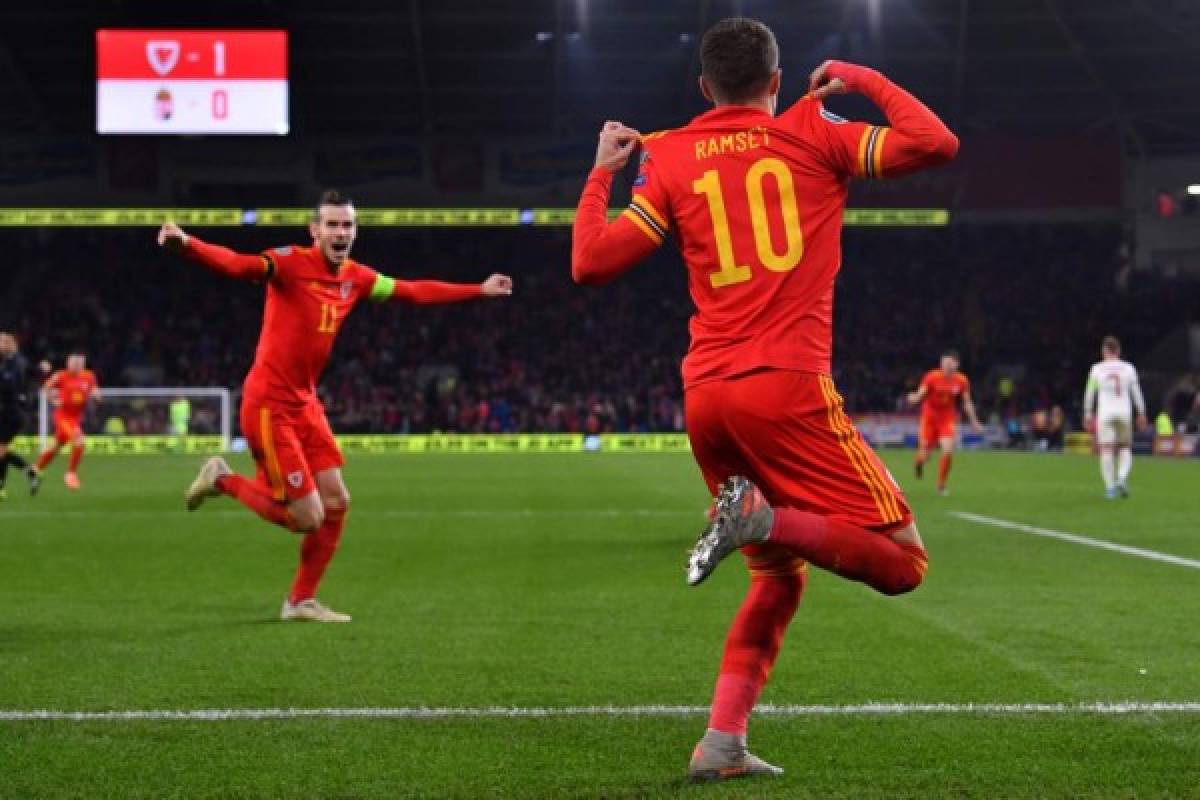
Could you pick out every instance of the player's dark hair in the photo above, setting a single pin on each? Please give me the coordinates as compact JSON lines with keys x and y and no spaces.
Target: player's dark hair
{"x":738,"y":56}
{"x":1111,"y":344}
{"x":331,"y":197}
{"x":952,"y":353}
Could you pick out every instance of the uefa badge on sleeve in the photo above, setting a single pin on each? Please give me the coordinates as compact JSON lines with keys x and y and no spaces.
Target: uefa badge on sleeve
{"x":295,"y":479}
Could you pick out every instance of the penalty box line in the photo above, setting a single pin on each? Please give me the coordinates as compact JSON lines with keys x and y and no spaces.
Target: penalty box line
{"x":1074,"y":538}
{"x":504,"y":712}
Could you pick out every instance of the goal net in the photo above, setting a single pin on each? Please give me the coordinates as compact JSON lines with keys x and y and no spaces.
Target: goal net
{"x":152,"y":419}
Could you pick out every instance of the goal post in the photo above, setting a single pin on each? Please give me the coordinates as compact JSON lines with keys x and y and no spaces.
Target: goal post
{"x":147,"y":411}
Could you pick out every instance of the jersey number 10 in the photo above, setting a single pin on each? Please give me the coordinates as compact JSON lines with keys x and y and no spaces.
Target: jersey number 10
{"x":731,"y":271}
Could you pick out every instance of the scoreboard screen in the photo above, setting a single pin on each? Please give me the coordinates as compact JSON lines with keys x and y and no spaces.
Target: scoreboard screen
{"x":193,"y":81}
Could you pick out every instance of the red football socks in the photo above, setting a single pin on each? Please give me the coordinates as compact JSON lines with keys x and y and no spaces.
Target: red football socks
{"x":751,"y":648}
{"x":883,"y":564}
{"x":257,"y":498}
{"x":944,"y":469}
{"x":76,"y":457}
{"x":46,"y":457}
{"x":316,"y":551}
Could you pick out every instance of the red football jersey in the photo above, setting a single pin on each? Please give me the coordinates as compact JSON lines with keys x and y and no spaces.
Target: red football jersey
{"x":756,"y":203}
{"x":943,"y":393}
{"x":305,"y":307}
{"x":74,"y":389}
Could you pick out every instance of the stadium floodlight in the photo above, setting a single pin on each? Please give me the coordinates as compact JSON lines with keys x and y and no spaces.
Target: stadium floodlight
{"x":1193,"y":188}
{"x":146,"y":413}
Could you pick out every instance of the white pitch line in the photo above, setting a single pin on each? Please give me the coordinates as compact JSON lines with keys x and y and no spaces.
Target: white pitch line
{"x":504,"y":712}
{"x":1139,"y":552}
{"x":395,"y":512}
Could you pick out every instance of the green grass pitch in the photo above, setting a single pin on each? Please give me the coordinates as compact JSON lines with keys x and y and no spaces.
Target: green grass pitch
{"x":557,"y":580}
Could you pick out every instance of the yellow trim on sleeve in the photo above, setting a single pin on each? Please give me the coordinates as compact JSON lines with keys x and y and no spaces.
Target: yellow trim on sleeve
{"x":861,"y":163}
{"x":641,"y":225}
{"x":878,"y":172}
{"x":641,"y":202}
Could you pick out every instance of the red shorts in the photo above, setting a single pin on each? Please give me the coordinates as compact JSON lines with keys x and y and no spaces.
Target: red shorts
{"x":67,"y":428}
{"x":934,"y":429}
{"x":290,"y":445}
{"x":787,"y":432}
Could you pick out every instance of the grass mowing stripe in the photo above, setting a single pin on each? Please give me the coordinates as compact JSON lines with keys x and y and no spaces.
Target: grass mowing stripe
{"x":1075,"y":538}
{"x":890,"y":709}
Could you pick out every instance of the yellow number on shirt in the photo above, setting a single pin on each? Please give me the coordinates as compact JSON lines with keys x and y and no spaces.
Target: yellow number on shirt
{"x":776,"y":262}
{"x":328,"y":323}
{"x":731,"y":272}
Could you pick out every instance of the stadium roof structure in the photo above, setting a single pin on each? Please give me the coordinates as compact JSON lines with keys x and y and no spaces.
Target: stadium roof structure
{"x":1122,"y":68}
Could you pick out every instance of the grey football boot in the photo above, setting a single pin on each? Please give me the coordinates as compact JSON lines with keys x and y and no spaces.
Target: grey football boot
{"x":741,"y":516}
{"x":722,"y":756}
{"x":205,"y":485}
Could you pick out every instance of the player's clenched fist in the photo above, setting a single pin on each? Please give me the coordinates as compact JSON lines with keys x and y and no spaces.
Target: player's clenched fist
{"x":617,"y":143}
{"x":497,"y":286}
{"x":837,"y":77}
{"x":172,"y":237}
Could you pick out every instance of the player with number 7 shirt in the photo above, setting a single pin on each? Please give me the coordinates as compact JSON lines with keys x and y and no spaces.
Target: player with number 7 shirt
{"x":755,"y":201}
{"x":310,"y":291}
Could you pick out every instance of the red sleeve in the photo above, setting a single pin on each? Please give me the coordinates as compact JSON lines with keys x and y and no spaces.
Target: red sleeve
{"x":429,"y":292}
{"x":916,"y":140}
{"x":52,"y":381}
{"x":226,"y":262}
{"x":600,"y":251}
{"x":837,"y":138}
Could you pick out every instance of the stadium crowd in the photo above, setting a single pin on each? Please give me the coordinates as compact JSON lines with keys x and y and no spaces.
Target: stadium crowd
{"x":564,"y":358}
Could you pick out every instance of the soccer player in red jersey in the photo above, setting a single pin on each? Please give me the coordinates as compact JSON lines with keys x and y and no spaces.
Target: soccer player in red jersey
{"x":939,"y":394}
{"x":310,"y":291}
{"x":755,"y":201}
{"x":69,"y":390}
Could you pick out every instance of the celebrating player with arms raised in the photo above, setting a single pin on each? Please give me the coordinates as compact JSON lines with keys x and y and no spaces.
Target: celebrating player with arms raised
{"x":756,"y":202}
{"x":939,"y":394}
{"x":310,"y":291}
{"x":70,"y":391}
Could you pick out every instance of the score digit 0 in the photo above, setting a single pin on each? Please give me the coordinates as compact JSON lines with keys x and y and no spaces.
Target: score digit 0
{"x":220,"y":104}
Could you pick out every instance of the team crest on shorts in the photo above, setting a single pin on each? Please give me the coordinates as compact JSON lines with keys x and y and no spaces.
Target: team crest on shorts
{"x":295,"y":479}
{"x":346,"y":288}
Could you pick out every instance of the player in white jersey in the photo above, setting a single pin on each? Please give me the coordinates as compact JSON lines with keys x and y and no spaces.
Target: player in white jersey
{"x":1113,"y":390}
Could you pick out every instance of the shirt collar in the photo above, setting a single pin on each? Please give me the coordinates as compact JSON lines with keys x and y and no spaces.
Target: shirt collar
{"x":727,"y":113}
